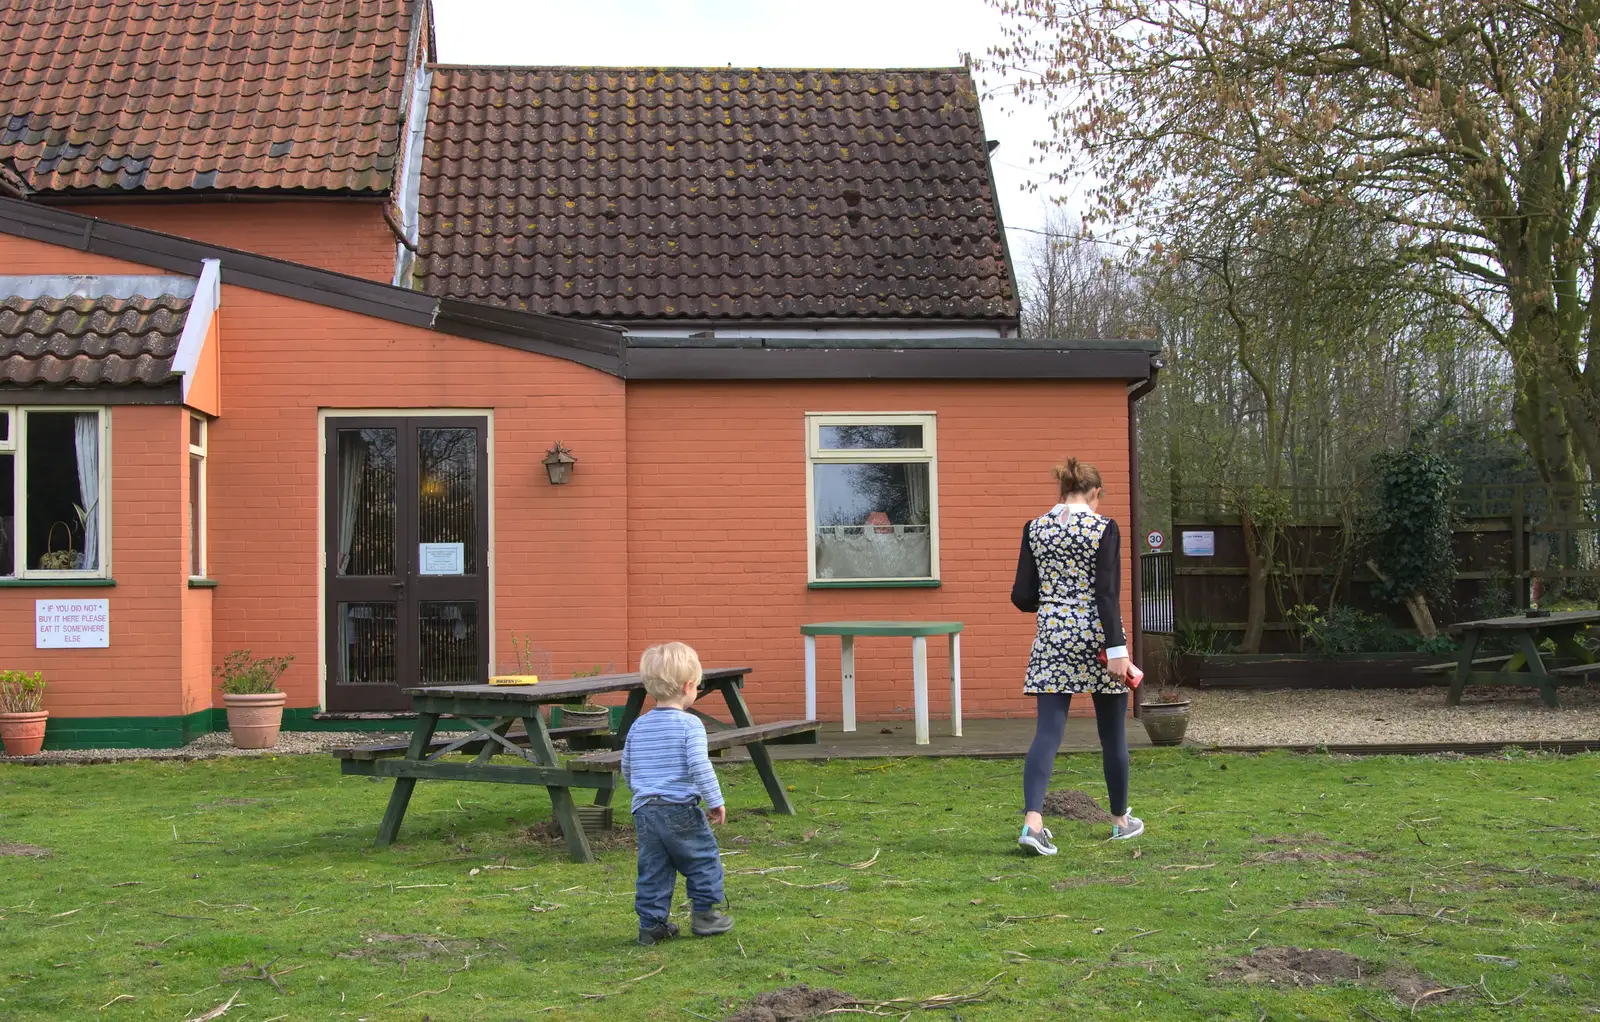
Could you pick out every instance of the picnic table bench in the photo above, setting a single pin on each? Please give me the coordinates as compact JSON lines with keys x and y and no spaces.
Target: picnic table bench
{"x":1527,"y":665}
{"x":491,"y":713}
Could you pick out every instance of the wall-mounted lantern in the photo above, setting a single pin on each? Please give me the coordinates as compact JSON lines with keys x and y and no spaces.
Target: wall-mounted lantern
{"x":558,"y":461}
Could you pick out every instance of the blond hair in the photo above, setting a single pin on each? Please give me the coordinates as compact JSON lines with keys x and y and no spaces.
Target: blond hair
{"x":668,"y":669}
{"x":1076,"y":477}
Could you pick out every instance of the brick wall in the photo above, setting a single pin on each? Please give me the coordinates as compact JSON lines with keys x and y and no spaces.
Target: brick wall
{"x":559,"y":551}
{"x":717,"y":530}
{"x":139,"y":673}
{"x":344,"y":235}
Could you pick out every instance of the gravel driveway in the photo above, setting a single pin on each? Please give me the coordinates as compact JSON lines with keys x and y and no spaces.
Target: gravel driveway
{"x":219,"y":743}
{"x":1384,"y":716}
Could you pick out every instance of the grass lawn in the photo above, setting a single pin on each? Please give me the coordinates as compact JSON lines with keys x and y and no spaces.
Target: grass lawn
{"x":170,"y":886}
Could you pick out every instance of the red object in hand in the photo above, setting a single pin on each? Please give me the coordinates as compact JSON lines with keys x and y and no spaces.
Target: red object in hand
{"x":1134,"y":674}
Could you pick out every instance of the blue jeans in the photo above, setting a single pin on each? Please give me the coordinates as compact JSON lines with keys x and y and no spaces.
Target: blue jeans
{"x":674,"y":839}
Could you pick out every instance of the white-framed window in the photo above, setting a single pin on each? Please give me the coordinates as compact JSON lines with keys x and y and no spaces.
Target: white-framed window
{"x":197,"y":496}
{"x":54,"y":492}
{"x":872,"y":497}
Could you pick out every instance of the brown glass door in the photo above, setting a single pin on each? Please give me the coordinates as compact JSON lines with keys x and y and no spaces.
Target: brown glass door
{"x":407,"y":576}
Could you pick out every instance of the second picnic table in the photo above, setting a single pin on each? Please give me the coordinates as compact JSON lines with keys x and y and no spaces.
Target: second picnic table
{"x":490,"y":711}
{"x":919,"y":632}
{"x":1526,"y":665}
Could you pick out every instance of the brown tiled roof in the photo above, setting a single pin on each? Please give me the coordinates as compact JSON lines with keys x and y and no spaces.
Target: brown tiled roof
{"x":159,"y":95}
{"x":90,"y":341}
{"x":639,"y":193}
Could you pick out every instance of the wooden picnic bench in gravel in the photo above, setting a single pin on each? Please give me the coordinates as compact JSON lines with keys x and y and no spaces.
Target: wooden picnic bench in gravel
{"x":1528,"y":665}
{"x":491,"y":713}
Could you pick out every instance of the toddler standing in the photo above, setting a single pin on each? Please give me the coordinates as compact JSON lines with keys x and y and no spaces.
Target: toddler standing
{"x":669,"y":771}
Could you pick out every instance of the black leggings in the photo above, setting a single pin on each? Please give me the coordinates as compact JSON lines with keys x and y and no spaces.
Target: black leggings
{"x":1110,"y":716}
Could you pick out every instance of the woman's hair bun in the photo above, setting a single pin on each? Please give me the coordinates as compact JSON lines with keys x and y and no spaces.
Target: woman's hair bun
{"x":1076,"y":477}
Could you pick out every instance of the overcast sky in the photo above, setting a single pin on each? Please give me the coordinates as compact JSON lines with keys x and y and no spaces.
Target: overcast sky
{"x":763,"y":33}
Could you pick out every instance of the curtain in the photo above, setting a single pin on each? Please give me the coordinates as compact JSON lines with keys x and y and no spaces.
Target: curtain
{"x":352,"y":473}
{"x":917,"y":493}
{"x":86,"y":429}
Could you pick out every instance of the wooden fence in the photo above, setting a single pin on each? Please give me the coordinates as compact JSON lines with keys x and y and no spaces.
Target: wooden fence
{"x":1506,"y":537}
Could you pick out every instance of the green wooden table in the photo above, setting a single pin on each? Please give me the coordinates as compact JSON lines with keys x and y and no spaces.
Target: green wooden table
{"x":489,"y":711}
{"x":919,"y":632}
{"x":1526,"y":665}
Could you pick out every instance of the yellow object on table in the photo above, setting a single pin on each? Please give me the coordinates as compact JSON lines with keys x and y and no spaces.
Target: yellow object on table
{"x":515,"y":679}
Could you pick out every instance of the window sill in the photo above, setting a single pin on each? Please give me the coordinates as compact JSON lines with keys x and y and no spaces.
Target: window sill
{"x":910,"y":583}
{"x":57,"y":583}
{"x":202,"y":583}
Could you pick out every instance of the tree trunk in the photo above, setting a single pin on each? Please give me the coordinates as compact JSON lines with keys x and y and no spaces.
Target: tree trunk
{"x":1256,"y":566}
{"x":1416,"y":605}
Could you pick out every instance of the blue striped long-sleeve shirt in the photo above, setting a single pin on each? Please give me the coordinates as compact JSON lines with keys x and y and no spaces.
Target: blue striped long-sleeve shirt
{"x":665,"y":760}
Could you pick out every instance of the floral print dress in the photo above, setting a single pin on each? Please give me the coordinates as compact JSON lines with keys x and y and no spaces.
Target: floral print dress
{"x":1070,"y":572}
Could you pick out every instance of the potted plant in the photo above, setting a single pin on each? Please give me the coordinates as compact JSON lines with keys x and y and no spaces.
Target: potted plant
{"x":21,"y":719}
{"x":250,"y":693}
{"x":584,"y":713}
{"x":1166,"y":718}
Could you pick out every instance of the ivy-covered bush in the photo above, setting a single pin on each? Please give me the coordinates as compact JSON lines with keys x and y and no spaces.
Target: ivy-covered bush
{"x":1408,"y":523}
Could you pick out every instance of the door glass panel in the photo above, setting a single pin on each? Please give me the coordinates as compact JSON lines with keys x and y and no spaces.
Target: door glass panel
{"x":8,"y":515}
{"x":450,"y":643}
{"x":447,"y":500}
{"x":367,"y":639}
{"x":364,"y":492}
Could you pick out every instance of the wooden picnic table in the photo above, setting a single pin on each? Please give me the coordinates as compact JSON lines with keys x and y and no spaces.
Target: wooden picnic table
{"x":918,"y":632}
{"x":490,"y":711}
{"x":1525,"y":665}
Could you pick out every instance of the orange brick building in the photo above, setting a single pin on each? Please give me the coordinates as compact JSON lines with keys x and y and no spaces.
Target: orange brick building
{"x":293,"y":388}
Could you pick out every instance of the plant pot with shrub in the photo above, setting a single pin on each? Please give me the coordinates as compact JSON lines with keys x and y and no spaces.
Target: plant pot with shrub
{"x":1166,"y":718}
{"x":584,"y":713}
{"x":22,"y":721}
{"x":250,"y":694}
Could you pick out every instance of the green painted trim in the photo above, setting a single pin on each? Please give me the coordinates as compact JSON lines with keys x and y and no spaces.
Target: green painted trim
{"x":896,"y":628}
{"x":910,"y":583}
{"x":128,"y":732}
{"x":202,"y":583}
{"x":57,"y":583}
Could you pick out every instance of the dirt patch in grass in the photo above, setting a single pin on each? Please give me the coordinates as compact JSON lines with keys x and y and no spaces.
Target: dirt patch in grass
{"x":412,"y":947}
{"x":1074,"y":805}
{"x":1292,"y":848}
{"x":1307,"y":967}
{"x":791,"y":1004}
{"x":547,"y":834}
{"x":24,"y":851}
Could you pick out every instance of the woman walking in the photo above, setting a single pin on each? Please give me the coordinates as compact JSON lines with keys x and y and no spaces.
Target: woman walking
{"x":1070,"y":573}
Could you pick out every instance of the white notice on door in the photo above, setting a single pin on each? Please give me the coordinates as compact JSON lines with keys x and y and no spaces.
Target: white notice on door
{"x":1200,"y":544}
{"x":72,"y":624}
{"x":442,"y":559}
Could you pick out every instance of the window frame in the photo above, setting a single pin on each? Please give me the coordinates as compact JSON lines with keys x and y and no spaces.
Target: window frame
{"x":203,"y":528}
{"x":16,"y":445}
{"x":927,"y":454}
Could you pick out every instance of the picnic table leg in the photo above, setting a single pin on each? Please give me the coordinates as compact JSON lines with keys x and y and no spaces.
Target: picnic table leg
{"x":1547,"y":688}
{"x":401,"y":796}
{"x":630,"y":713}
{"x":1567,"y":644}
{"x":919,"y":680}
{"x":758,"y":751}
{"x":955,"y":684}
{"x":1469,"y":649}
{"x":847,"y":674}
{"x":561,"y":803}
{"x":500,"y":727}
{"x":811,"y":677}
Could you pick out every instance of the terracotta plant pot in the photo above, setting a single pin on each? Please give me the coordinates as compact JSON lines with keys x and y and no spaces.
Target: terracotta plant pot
{"x":253,"y":720}
{"x":23,"y":732}
{"x":1165,"y":723}
{"x":585,"y":718}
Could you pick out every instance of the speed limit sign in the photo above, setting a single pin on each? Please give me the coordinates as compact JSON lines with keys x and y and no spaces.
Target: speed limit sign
{"x":1155,"y":540}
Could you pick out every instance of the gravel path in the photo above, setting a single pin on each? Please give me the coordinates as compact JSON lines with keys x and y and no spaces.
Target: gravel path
{"x":216,"y":744}
{"x":1234,"y":717}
